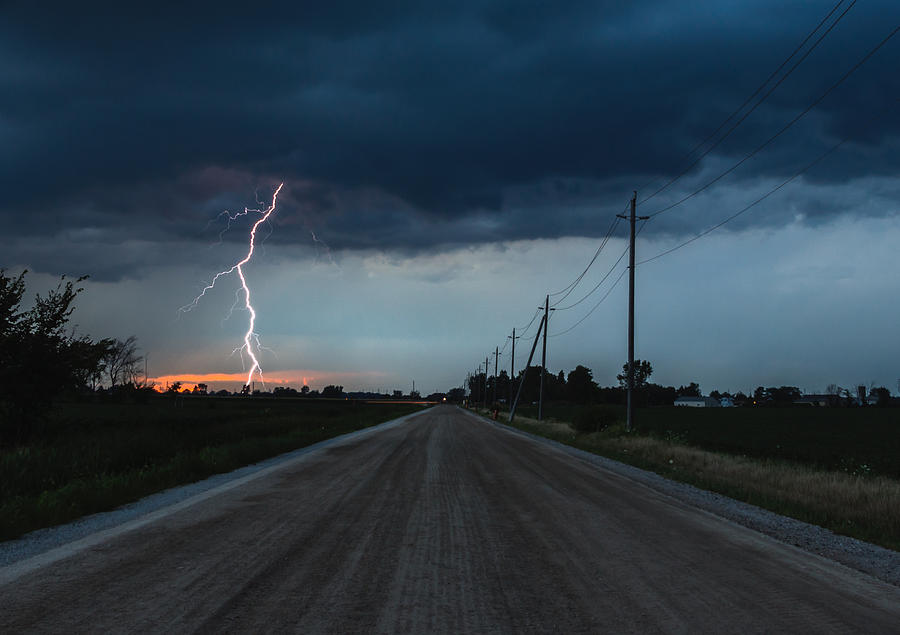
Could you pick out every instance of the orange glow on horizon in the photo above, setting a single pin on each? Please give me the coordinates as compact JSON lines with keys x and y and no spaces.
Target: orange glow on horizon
{"x":294,"y":378}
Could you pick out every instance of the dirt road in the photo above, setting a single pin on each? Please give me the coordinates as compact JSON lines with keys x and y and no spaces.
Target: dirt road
{"x":444,"y":523}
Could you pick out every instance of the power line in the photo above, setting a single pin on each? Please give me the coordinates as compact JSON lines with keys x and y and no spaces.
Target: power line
{"x":597,"y":286}
{"x":756,"y":92}
{"x":527,"y":326}
{"x":751,"y":205}
{"x":783,"y":129}
{"x":567,"y":290}
{"x":602,"y":280}
{"x":594,"y":308}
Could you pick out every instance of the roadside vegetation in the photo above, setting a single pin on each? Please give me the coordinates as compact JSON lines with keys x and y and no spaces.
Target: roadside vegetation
{"x":836,"y":468}
{"x":96,"y":455}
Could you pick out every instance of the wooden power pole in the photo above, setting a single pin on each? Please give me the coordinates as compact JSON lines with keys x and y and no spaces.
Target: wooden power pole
{"x":512,"y":366}
{"x":629,"y":420}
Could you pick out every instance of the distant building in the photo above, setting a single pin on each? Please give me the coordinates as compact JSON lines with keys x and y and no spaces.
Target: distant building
{"x":726,"y":402}
{"x":698,"y":402}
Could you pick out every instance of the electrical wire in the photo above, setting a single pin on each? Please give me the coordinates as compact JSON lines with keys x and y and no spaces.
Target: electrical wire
{"x":571,"y":287}
{"x":608,"y":273}
{"x":748,"y":207}
{"x":756,"y":92}
{"x":783,"y":129}
{"x":528,"y":326}
{"x":597,"y":286}
{"x":594,"y":308}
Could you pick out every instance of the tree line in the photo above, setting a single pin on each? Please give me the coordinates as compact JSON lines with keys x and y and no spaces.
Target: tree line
{"x":577,"y":387}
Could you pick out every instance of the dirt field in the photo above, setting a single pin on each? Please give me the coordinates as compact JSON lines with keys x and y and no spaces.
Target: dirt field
{"x":444,"y":523}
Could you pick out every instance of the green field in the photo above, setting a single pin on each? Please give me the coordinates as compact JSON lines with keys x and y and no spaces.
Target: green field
{"x":90,"y":457}
{"x":854,"y":440}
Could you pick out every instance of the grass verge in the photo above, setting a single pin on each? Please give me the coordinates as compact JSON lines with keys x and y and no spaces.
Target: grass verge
{"x":89,"y":458}
{"x":860,"y":505}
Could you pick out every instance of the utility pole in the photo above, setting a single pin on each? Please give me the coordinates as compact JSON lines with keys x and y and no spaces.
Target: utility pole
{"x":512,"y":410}
{"x":546,"y":308}
{"x":629,"y":421}
{"x":512,"y":366}
{"x":496,"y":361}
{"x":475,"y":399}
{"x":486,"y":361}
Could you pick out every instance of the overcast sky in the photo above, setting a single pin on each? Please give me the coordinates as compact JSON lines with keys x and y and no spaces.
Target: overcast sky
{"x":447,"y":165}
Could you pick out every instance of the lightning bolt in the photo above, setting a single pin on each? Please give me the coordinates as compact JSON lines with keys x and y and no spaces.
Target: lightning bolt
{"x":250,"y":337}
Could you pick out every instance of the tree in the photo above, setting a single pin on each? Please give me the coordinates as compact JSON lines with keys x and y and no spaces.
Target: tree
{"x":501,"y":382}
{"x":656,"y":395}
{"x":882,"y":396}
{"x":333,"y":392}
{"x":784,"y":395}
{"x":89,"y":361}
{"x":39,"y":360}
{"x":691,"y":390}
{"x":456,"y":395}
{"x":476,"y":387}
{"x":122,"y":361}
{"x":642,"y":372}
{"x":581,"y":387}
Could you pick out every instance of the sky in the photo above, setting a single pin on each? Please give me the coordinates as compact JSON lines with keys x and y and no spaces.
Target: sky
{"x":446,"y":166}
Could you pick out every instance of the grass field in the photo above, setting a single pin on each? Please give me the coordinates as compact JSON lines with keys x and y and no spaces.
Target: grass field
{"x":90,"y":457}
{"x":863,"y":441}
{"x":837,"y":468}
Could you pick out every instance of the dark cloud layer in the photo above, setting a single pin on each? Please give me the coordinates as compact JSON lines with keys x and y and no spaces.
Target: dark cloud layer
{"x":402,"y":125}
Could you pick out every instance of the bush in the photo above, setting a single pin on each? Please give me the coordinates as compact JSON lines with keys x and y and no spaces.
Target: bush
{"x":595,"y":418}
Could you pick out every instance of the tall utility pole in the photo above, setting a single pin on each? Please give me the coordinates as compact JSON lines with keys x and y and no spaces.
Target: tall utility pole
{"x":496,"y":361}
{"x":544,"y":357}
{"x":485,"y":380}
{"x":512,"y":366}
{"x":629,"y":421}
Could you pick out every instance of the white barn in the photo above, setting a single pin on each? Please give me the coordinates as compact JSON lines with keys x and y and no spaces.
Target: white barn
{"x":698,"y":402}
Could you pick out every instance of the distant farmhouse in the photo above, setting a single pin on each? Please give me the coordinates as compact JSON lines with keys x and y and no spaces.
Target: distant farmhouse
{"x":698,"y":402}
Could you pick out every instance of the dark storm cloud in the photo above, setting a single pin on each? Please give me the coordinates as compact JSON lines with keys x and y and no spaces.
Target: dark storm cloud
{"x":397,"y":124}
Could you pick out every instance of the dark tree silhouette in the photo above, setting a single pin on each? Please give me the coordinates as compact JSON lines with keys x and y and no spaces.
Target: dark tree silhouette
{"x":691,"y":390}
{"x":581,"y":387}
{"x":333,"y":392}
{"x":39,"y":359}
{"x":642,"y":372}
{"x":122,"y":361}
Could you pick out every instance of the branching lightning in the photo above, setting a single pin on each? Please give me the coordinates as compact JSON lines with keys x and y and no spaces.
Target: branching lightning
{"x":251,"y":338}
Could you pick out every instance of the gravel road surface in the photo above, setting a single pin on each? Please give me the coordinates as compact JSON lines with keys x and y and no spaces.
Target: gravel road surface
{"x":443,"y":523}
